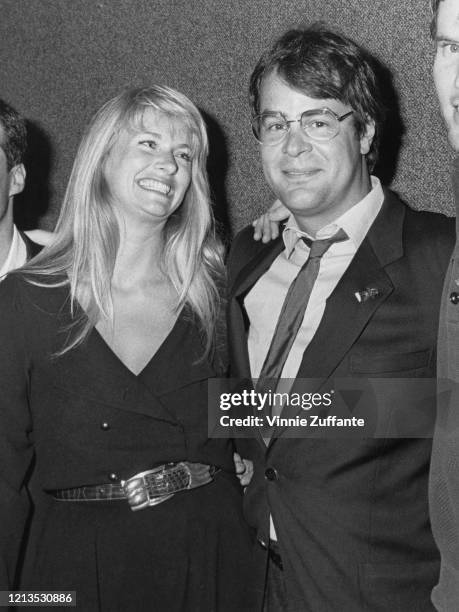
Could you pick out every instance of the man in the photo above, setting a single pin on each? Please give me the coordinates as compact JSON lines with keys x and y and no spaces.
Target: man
{"x":15,"y":246}
{"x":342,"y":524}
{"x":444,"y":480}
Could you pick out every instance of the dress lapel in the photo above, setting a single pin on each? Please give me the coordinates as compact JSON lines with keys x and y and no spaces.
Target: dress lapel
{"x":93,"y":371}
{"x":178,"y":362}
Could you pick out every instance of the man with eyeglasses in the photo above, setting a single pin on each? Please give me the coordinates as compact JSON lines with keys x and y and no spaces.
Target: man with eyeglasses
{"x":350,"y":289}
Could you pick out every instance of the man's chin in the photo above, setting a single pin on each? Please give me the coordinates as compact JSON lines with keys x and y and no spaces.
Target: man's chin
{"x":299,"y":199}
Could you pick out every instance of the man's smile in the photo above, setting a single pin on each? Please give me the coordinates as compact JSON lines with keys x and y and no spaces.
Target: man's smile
{"x":301,"y":173}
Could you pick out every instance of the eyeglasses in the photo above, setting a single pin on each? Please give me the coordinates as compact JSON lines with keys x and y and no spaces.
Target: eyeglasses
{"x":319,"y":124}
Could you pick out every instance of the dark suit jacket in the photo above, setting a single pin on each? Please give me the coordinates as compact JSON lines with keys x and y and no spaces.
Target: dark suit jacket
{"x":444,"y":475}
{"x":351,"y":515}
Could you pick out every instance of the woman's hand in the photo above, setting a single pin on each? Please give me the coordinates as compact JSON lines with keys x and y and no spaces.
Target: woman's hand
{"x":266,"y":227}
{"x":244,"y":469}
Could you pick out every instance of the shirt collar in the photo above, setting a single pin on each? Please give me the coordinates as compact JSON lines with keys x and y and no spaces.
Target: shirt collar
{"x":17,"y":254}
{"x":355,"y":222}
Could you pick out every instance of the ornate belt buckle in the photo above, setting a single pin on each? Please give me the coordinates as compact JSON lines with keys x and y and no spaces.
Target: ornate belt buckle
{"x":138,"y":489}
{"x":153,"y":487}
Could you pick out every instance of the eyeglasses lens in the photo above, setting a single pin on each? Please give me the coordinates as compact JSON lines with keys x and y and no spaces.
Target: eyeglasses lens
{"x":270,"y":129}
{"x":318,"y":125}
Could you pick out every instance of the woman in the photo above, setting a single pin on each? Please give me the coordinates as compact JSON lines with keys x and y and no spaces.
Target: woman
{"x":107,"y":340}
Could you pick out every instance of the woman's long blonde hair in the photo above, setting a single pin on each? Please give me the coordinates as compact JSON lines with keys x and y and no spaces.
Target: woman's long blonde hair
{"x":84,"y":250}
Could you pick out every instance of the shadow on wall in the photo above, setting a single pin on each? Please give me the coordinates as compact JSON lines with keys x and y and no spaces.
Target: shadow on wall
{"x":217,"y":168}
{"x":393,"y":128}
{"x":33,"y":202}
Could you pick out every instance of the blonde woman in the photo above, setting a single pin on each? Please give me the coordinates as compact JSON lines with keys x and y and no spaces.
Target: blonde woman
{"x":107,"y":340}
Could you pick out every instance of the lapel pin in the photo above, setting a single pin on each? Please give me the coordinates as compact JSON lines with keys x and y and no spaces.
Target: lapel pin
{"x":369,"y":293}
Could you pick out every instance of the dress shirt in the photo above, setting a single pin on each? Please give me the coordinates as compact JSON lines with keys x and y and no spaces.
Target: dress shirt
{"x":17,"y":255}
{"x":264,"y":301}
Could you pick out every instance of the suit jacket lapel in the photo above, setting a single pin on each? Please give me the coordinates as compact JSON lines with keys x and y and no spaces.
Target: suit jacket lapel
{"x":345,"y":317}
{"x":238,"y":323}
{"x":255,"y":267}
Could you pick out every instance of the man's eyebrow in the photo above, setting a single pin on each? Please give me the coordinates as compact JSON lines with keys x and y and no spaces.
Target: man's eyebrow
{"x":269,"y":110}
{"x":444,"y":38}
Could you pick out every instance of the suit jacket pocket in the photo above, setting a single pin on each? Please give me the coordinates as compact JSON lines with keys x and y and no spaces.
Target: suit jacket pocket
{"x":385,"y":363}
{"x":397,"y":587}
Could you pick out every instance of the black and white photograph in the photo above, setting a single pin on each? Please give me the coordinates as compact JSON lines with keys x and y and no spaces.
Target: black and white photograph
{"x":229,"y":305}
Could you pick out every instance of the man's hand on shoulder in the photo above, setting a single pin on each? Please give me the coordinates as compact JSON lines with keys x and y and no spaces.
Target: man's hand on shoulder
{"x":266,"y":227}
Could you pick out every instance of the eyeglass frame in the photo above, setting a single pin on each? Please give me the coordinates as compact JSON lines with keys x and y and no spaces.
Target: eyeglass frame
{"x":311,"y":111}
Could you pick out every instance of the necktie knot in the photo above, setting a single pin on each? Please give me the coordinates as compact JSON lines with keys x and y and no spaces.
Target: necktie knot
{"x":320,"y":247}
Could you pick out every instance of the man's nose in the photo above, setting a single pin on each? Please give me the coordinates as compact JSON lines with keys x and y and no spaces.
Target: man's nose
{"x":296,"y":141}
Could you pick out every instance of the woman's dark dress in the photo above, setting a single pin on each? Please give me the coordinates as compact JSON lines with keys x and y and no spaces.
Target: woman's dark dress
{"x":88,"y":420}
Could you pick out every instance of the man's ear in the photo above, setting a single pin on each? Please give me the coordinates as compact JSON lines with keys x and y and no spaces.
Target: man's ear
{"x":17,"y":176}
{"x":367,"y":137}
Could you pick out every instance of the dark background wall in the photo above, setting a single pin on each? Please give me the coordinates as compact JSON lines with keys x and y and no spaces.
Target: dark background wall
{"x":61,"y":59}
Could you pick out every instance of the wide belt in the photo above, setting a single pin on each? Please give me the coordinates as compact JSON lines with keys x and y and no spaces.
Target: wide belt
{"x":144,"y":489}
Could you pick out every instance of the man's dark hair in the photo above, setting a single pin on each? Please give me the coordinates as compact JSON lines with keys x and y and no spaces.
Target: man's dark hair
{"x":13,"y":135}
{"x":324,"y":64}
{"x":433,"y":24}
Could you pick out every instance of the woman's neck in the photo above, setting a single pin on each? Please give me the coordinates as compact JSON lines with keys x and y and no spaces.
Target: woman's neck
{"x":139,"y":256}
